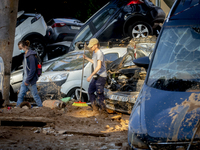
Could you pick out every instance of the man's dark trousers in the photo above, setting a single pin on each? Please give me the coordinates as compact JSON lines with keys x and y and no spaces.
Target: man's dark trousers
{"x":97,"y":85}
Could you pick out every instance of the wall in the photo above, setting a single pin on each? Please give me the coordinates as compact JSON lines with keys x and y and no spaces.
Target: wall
{"x":164,"y":7}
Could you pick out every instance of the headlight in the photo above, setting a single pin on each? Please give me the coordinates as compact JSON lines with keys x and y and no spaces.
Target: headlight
{"x":137,"y":143}
{"x":58,"y":77}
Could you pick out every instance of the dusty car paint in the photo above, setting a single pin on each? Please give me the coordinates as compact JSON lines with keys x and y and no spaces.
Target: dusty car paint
{"x":171,"y":120}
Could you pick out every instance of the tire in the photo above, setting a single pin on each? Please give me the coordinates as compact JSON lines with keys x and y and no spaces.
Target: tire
{"x":38,"y":46}
{"x":140,"y":29}
{"x":71,"y":94}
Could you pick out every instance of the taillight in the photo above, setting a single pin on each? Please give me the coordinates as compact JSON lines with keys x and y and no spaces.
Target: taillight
{"x":135,"y":2}
{"x":35,"y":18}
{"x":58,"y":25}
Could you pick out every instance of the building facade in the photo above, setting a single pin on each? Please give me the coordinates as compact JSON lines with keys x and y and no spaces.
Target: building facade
{"x":163,"y":5}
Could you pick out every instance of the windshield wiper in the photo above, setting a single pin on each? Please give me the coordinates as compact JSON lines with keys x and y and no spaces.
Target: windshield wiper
{"x":175,"y":84}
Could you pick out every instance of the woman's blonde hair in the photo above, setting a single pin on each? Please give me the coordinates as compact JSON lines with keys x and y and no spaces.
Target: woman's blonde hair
{"x":24,"y":43}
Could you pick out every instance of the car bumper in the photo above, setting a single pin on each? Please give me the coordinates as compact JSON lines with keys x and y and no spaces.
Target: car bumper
{"x":120,"y":101}
{"x":175,"y":145}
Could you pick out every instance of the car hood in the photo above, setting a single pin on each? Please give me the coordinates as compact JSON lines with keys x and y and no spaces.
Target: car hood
{"x":50,"y":74}
{"x":170,"y":116}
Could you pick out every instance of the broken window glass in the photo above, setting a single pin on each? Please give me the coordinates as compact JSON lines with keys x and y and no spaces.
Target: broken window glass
{"x":176,"y":64}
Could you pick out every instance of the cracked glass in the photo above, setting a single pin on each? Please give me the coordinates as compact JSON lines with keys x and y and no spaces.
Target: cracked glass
{"x":176,"y":64}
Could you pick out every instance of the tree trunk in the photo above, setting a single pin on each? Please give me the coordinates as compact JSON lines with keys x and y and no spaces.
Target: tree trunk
{"x":8,"y":18}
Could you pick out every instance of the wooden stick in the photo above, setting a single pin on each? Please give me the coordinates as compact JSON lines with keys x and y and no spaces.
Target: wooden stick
{"x":85,"y":133}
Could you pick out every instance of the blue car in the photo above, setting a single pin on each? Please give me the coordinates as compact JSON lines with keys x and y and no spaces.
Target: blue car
{"x":167,"y":111}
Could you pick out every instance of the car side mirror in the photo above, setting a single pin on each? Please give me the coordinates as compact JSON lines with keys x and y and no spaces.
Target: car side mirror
{"x":81,"y":46}
{"x":142,"y":62}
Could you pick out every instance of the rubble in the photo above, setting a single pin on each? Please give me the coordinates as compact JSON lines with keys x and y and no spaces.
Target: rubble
{"x":74,"y":129}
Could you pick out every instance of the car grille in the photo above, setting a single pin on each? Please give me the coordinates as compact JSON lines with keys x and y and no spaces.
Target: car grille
{"x":175,"y":146}
{"x":124,"y":107}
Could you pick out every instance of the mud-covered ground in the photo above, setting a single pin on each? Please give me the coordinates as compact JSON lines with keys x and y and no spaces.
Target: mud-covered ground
{"x":72,"y":128}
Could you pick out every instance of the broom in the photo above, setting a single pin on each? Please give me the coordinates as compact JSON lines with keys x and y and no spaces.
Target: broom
{"x":79,"y":103}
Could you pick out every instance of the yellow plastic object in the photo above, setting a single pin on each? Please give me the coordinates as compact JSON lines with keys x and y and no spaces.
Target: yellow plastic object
{"x":80,"y":104}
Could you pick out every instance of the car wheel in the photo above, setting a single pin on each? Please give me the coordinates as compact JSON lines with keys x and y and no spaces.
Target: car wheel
{"x":140,"y":29}
{"x":73,"y":95}
{"x":38,"y":46}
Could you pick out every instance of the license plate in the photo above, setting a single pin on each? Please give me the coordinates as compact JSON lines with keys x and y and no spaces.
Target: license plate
{"x":120,"y":98}
{"x":75,"y":28}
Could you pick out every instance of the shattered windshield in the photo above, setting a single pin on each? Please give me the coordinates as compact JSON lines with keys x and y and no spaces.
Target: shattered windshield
{"x":69,"y":62}
{"x":176,"y":64}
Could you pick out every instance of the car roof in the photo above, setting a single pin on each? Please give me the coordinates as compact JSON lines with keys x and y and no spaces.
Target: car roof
{"x":185,"y":10}
{"x":66,"y":20}
{"x":20,"y":13}
{"x":114,"y":49}
{"x":69,"y":21}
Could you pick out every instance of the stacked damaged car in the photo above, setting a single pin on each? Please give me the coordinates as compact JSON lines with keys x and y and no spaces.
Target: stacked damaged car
{"x":125,"y":79}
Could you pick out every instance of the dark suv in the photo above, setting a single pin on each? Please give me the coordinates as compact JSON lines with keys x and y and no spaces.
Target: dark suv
{"x":120,"y":19}
{"x":167,"y":111}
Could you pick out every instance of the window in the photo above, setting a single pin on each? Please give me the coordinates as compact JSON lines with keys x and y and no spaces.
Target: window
{"x":102,"y":18}
{"x":176,"y":64}
{"x":84,"y":35}
{"x":158,"y":3}
{"x":56,"y":51}
{"x":21,"y":19}
{"x":111,"y":56}
{"x":69,"y":62}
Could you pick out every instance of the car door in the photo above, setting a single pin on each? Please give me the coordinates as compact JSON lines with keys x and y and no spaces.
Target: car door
{"x":113,"y":28}
{"x":95,"y":24}
{"x":103,"y":21}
